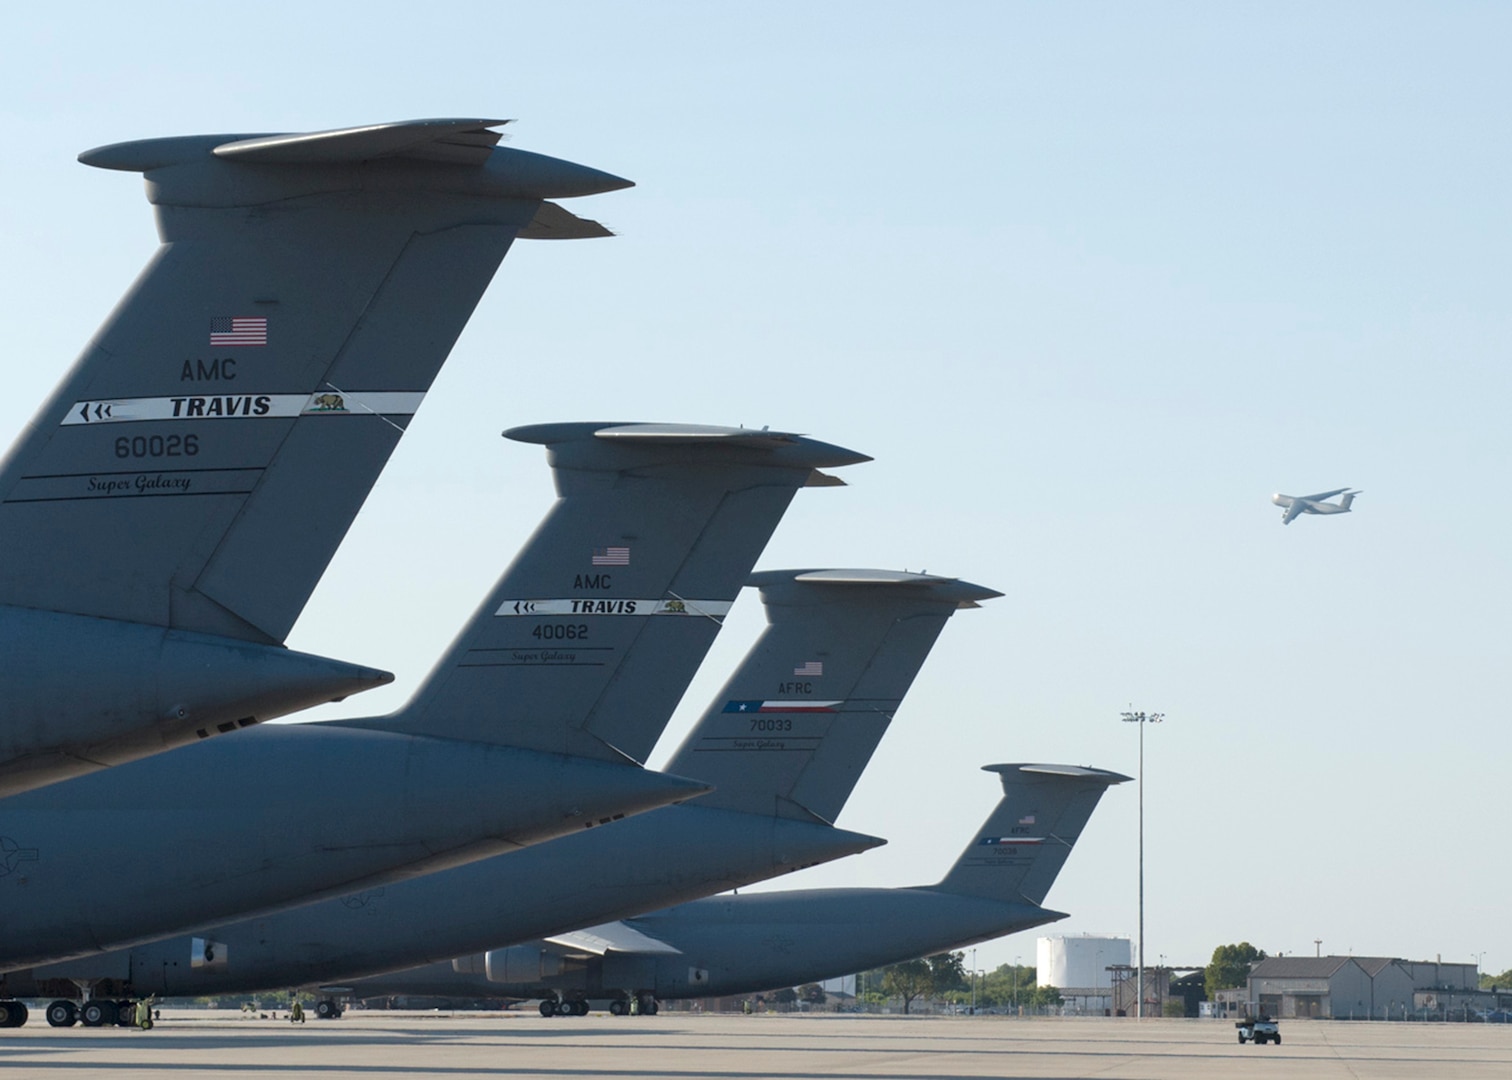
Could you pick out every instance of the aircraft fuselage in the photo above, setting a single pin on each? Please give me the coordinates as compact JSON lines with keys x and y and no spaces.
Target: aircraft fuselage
{"x":276,"y":816}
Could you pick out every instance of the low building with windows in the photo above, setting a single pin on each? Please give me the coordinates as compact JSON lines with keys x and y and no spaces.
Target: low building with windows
{"x":1354,"y":987}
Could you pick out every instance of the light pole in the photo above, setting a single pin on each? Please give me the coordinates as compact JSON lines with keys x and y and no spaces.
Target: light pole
{"x":1016,"y":1010}
{"x":1141,"y":719}
{"x":1097,"y":982}
{"x":973,"y":982}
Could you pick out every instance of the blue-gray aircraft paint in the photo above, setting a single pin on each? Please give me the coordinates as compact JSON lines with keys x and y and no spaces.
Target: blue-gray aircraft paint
{"x":761,"y":941}
{"x":832,"y":667}
{"x":287,"y":813}
{"x":171,"y":506}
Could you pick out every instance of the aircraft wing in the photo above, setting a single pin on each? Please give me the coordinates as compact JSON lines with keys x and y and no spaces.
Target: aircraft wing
{"x":1320,"y":496}
{"x":1292,"y":511}
{"x":613,"y":937}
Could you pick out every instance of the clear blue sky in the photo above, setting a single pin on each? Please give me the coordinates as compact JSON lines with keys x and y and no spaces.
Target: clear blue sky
{"x":1090,"y":281}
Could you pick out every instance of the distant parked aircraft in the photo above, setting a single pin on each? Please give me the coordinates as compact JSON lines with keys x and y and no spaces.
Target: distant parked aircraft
{"x":1314,"y":504}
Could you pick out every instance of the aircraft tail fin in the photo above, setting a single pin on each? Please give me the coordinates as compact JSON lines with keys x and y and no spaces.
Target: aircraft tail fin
{"x":1021,"y":847}
{"x":591,"y":636}
{"x":794,"y":727}
{"x":1348,"y":498}
{"x":199,"y":464}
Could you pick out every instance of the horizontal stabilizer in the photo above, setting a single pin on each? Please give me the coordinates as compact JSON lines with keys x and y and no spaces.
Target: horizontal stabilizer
{"x":794,"y":727}
{"x":457,"y":155}
{"x":1027,"y":838}
{"x":465,"y":142}
{"x":612,"y":937}
{"x":781,"y":448}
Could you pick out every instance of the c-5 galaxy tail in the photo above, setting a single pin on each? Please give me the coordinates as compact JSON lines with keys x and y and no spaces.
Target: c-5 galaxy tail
{"x":183,"y":489}
{"x":1025,"y":841}
{"x":794,"y":728}
{"x":680,"y":513}
{"x":740,"y":943}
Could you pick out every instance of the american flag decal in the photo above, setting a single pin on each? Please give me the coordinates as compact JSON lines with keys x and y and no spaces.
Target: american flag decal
{"x":239,"y":330}
{"x":1027,"y":819}
{"x":611,"y":556}
{"x":809,"y":668}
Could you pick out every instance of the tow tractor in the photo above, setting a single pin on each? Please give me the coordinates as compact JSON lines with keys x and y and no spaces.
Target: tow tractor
{"x":1257,"y":1031}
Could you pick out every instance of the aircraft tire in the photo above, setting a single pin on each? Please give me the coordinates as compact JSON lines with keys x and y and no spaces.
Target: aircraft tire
{"x":62,"y":1013}
{"x":1276,"y":1038}
{"x":582,"y":1008}
{"x":100,"y":1013}
{"x":548,"y":1007}
{"x":326,"y":1009}
{"x":13,"y":1014}
{"x":647,"y":1005}
{"x":125,"y":1014}
{"x":618,"y":1008}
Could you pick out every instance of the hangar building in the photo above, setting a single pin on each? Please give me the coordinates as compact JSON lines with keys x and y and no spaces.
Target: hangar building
{"x":1351,"y":987}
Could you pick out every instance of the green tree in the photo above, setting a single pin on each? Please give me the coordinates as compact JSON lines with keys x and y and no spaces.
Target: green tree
{"x":1230,"y":967}
{"x":785,"y":997}
{"x":908,"y":980}
{"x":1488,"y":980}
{"x":812,"y":993}
{"x":947,"y":972}
{"x":1042,"y":996}
{"x":1007,"y":985}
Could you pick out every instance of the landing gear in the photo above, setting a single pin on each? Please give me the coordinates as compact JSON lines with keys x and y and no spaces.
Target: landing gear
{"x":99,"y":1013}
{"x":553,"y":1007}
{"x":62,"y":1014}
{"x":618,"y":1007}
{"x":327,"y":1009}
{"x":647,"y":1004}
{"x":13,"y":1014}
{"x":125,"y":1014}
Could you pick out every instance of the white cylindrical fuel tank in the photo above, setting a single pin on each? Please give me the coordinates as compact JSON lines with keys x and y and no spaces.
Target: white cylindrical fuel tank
{"x":1079,"y":961}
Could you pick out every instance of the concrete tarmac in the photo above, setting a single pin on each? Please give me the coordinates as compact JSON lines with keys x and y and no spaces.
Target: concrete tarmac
{"x":187,"y":1045}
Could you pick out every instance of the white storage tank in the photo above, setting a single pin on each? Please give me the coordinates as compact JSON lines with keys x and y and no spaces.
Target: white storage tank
{"x":1079,"y":962}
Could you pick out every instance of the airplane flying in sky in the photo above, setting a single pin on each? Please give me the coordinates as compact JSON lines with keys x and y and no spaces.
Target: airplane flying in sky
{"x":783,"y":743}
{"x":168,"y":511}
{"x":532,"y":725}
{"x":1314,"y":504}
